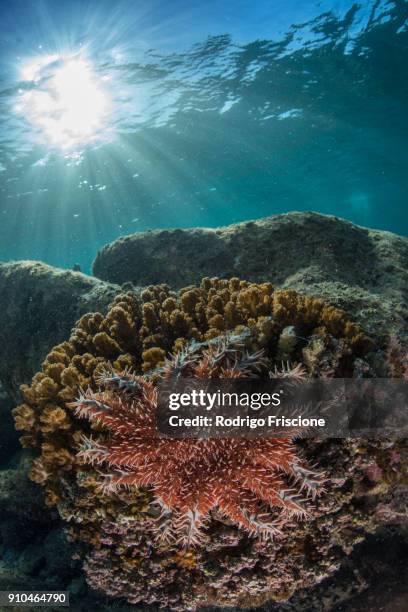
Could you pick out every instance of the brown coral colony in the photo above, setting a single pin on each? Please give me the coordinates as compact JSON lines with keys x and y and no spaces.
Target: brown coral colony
{"x":138,"y":333}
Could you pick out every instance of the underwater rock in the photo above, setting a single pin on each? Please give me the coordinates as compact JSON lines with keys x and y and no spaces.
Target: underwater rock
{"x":375,"y":577}
{"x":8,"y":438}
{"x":361,"y":270}
{"x":14,"y":486}
{"x":38,"y":306}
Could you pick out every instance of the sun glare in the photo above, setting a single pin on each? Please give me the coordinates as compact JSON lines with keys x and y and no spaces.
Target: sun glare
{"x":65,"y":100}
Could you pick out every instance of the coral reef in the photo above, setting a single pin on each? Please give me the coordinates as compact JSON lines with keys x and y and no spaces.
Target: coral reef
{"x":116,"y":532}
{"x":397,"y":358}
{"x":362,"y":271}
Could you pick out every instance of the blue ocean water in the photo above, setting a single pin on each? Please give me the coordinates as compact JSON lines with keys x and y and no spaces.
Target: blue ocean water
{"x":118,"y":117}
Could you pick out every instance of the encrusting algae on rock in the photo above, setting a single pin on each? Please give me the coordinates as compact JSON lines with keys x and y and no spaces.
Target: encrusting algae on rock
{"x":116,"y":528}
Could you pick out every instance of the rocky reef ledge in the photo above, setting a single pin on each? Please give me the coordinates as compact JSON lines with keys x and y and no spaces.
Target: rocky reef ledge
{"x":360,"y":270}
{"x":39,"y":305}
{"x":363,"y":271}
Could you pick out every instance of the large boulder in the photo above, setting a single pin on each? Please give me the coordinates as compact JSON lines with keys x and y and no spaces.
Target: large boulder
{"x":38,"y":306}
{"x":364,"y":271}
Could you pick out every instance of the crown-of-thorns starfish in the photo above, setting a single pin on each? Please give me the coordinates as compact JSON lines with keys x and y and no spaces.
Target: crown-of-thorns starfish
{"x":258,"y":484}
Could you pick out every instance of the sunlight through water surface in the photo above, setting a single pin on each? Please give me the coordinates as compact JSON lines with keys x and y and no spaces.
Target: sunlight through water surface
{"x":124,"y":117}
{"x":64,"y":99}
